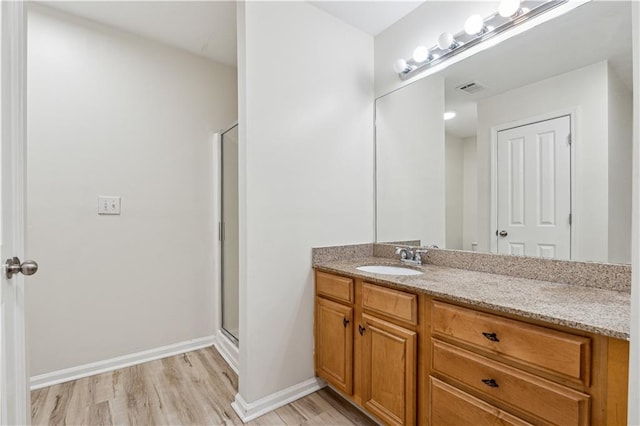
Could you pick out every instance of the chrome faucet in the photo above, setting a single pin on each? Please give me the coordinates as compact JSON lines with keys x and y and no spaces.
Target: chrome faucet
{"x":410,"y":257}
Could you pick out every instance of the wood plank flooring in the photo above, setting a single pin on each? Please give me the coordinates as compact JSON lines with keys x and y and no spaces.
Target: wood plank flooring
{"x":195,"y":388}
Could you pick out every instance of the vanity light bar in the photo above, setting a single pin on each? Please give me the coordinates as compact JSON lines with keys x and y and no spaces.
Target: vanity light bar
{"x":449,"y":46}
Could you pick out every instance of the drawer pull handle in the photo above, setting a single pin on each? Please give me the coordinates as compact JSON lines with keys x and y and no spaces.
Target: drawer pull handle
{"x":361,"y":330}
{"x":345,"y":322}
{"x":491,"y":336}
{"x":490,"y":382}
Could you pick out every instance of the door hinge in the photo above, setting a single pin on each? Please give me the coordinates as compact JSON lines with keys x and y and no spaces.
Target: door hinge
{"x":570,"y":218}
{"x":220,"y":231}
{"x":569,"y":139}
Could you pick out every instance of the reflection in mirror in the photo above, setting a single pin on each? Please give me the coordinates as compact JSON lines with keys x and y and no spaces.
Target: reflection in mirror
{"x":410,"y":182}
{"x":537,"y":160}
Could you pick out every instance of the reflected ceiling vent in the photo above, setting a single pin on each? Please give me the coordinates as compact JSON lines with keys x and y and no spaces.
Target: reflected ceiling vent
{"x":471,"y":87}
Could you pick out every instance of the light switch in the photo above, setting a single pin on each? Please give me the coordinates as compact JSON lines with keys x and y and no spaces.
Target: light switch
{"x":108,"y":205}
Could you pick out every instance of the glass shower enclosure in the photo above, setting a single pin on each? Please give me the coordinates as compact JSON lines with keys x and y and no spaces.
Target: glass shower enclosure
{"x":229,"y":232}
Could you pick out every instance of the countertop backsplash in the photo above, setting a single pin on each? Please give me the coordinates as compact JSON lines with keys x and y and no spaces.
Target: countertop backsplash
{"x":607,"y":276}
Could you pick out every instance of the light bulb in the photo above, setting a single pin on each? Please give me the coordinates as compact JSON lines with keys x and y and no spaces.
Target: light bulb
{"x":445,"y":41}
{"x":421,"y":54}
{"x":508,"y":8}
{"x":449,"y":115}
{"x":400,"y":66}
{"x":474,"y":25}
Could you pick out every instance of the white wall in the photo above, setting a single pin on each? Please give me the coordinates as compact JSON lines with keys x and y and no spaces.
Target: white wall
{"x":306,"y":175}
{"x":410,"y":164}
{"x":470,"y":193}
{"x":620,"y":138}
{"x":634,"y":359}
{"x":113,"y":114}
{"x":585,"y":88}
{"x":454,"y":193}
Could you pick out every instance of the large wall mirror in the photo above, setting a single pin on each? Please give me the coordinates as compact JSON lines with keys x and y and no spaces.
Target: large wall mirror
{"x":538,"y":158}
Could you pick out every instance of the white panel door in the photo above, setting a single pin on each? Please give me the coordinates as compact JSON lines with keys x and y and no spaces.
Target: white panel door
{"x":14,"y":390}
{"x":534,"y":189}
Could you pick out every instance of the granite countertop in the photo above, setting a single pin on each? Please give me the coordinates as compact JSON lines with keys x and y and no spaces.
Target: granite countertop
{"x":604,"y":312}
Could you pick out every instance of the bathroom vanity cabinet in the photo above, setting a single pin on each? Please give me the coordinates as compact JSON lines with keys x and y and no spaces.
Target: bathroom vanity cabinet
{"x":410,"y":358}
{"x":366,"y":340}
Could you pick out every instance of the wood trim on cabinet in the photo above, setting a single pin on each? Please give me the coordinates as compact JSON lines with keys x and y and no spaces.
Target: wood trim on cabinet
{"x":424,"y":360}
{"x":357,"y":347}
{"x":618,"y":381}
{"x":609,"y":387}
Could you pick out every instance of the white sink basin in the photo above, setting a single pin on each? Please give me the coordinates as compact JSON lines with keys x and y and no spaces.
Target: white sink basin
{"x":388,"y":270}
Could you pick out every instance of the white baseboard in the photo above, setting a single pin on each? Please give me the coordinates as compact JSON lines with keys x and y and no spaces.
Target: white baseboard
{"x":252,"y":410}
{"x":74,"y":373}
{"x":228,"y":350}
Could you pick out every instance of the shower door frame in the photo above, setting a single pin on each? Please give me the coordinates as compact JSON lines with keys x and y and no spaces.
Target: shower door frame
{"x":220,"y":189}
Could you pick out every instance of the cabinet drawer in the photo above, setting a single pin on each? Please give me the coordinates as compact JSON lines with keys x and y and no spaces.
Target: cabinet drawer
{"x":551,"y":350}
{"x":334,"y":287}
{"x":542,"y":398}
{"x":393,"y":303}
{"x":449,"y":406}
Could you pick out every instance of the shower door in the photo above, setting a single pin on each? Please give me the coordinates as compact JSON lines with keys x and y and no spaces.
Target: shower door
{"x":229,"y":232}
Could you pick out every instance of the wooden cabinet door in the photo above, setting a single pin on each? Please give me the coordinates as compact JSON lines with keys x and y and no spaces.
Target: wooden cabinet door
{"x":334,"y":344}
{"x":389,"y":371}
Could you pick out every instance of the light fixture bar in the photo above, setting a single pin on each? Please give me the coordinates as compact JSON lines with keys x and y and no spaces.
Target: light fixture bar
{"x":494,"y":25}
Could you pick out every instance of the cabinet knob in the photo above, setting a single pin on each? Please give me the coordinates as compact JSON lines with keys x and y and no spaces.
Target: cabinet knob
{"x":361,"y":329}
{"x":491,"y":336}
{"x":490,"y":382}
{"x":345,"y":322}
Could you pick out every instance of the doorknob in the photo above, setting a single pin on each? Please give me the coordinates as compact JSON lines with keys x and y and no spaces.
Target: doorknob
{"x":503,"y":233}
{"x":14,"y":266}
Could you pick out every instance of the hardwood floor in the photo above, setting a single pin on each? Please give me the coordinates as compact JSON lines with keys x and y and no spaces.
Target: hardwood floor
{"x":195,"y":388}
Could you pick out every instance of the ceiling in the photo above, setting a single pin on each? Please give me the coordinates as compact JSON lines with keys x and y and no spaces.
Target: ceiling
{"x":208,"y":28}
{"x":372,"y":17}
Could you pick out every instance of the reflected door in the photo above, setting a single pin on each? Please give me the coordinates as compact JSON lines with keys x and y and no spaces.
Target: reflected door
{"x":534,"y":189}
{"x":229,"y":232}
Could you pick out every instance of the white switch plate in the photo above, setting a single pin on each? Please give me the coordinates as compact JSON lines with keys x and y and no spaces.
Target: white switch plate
{"x":108,"y":205}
